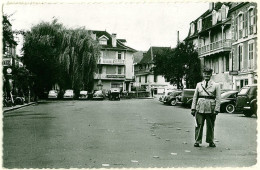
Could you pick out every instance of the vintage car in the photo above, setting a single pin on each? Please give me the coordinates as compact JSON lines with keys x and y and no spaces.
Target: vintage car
{"x":114,"y":94}
{"x":83,"y":95}
{"x":228,"y":101}
{"x":186,"y":97}
{"x":69,"y":94}
{"x":247,"y":100}
{"x":171,"y":99}
{"x":53,"y":94}
{"x":98,"y":95}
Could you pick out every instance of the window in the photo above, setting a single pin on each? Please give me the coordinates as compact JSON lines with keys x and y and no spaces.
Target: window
{"x":250,"y":55}
{"x":240,"y":57}
{"x":155,"y":78}
{"x":192,"y":29}
{"x":140,"y":78}
{"x":119,"y":56}
{"x":252,"y":21}
{"x":103,"y":42}
{"x":119,"y":70}
{"x":227,"y":63}
{"x":199,"y":25}
{"x":100,"y":70}
{"x":223,"y":12}
{"x":240,"y":25}
{"x":145,"y":78}
{"x":214,"y":17}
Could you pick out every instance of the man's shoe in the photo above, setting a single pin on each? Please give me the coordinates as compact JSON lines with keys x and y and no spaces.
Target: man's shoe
{"x":196,"y":145}
{"x":212,"y":145}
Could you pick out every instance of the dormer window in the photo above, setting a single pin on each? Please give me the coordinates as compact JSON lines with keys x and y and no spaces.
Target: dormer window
{"x":214,"y":17}
{"x":199,"y":25}
{"x":103,"y":40}
{"x":223,"y":12}
{"x":192,"y":28}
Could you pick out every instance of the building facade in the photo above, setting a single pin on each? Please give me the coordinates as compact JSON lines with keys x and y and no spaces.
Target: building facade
{"x":115,"y":65}
{"x":145,"y":79}
{"x":244,"y":36}
{"x":222,"y":43}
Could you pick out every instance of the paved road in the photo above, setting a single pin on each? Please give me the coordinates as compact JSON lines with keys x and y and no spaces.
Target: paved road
{"x":127,"y":133}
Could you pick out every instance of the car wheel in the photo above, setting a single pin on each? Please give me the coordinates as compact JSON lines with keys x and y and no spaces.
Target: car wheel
{"x":248,"y":113}
{"x":230,"y":108}
{"x":173,"y":102}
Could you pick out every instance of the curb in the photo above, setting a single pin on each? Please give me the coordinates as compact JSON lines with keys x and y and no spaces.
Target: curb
{"x":18,"y":107}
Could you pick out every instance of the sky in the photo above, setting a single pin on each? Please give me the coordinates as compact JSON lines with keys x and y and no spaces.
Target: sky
{"x":141,"y":24}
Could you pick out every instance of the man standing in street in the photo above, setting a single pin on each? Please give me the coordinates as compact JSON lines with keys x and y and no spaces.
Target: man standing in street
{"x":205,"y":106}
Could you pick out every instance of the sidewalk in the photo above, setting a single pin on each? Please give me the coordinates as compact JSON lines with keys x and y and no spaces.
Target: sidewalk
{"x":6,"y":109}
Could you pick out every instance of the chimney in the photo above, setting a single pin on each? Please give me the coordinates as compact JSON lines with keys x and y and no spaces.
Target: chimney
{"x":113,"y":40}
{"x":211,"y":6}
{"x":178,"y":38}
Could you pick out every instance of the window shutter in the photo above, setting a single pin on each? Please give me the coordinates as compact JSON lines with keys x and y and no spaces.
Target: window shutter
{"x":235,"y":28}
{"x":246,"y":23}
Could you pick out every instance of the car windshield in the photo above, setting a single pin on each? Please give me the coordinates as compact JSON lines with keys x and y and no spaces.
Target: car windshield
{"x":169,"y":93}
{"x":243,"y":91}
{"x":69,"y":91}
{"x":52,"y":92}
{"x":98,"y":92}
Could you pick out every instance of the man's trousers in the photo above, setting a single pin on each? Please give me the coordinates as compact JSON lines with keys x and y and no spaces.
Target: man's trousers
{"x":210,"y":122}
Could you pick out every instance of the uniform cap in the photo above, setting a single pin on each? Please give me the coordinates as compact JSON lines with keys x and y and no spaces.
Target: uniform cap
{"x":207,"y":70}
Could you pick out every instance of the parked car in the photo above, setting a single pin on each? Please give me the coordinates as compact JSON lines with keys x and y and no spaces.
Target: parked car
{"x":228,"y":101}
{"x":171,"y":98}
{"x":69,"y":94}
{"x":167,"y":91}
{"x":53,"y":94}
{"x":186,"y":97}
{"x":162,"y":98}
{"x":247,"y":100}
{"x":83,"y":95}
{"x":114,"y":94}
{"x":98,"y":95}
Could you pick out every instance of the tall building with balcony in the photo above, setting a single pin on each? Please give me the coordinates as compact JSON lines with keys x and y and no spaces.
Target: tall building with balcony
{"x":219,"y":34}
{"x":115,"y":65}
{"x":244,"y":36}
{"x":144,"y":75}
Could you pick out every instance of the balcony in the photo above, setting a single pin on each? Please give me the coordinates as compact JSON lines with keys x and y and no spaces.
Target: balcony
{"x":109,"y":76}
{"x":215,"y":47}
{"x":111,"y":61}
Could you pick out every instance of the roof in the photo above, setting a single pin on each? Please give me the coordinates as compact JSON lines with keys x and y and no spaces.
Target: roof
{"x":151,"y":53}
{"x":138,"y":56}
{"x":119,"y":42}
{"x":207,"y":18}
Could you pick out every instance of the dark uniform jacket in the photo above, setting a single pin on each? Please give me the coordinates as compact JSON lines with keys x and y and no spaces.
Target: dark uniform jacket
{"x":206,"y":103}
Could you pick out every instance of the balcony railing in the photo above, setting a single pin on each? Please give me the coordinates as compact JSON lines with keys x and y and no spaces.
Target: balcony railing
{"x":215,"y":46}
{"x":111,"y":61}
{"x":109,"y":76}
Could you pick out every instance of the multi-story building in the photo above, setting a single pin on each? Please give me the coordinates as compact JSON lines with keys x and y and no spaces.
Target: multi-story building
{"x":144,"y":74}
{"x":244,"y":36}
{"x":115,"y":65}
{"x":216,"y":35}
{"x":211,"y":34}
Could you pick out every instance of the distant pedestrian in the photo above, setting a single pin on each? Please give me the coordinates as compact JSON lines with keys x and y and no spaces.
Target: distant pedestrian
{"x":205,"y":106}
{"x":152,"y":91}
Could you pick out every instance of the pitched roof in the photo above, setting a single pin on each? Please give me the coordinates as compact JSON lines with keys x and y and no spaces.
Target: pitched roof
{"x":119,"y":42}
{"x":207,"y":19}
{"x":151,"y":53}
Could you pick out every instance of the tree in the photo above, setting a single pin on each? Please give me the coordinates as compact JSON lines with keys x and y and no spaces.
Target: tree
{"x":79,"y":54}
{"x":178,"y":64}
{"x":8,"y":38}
{"x":58,"y":55}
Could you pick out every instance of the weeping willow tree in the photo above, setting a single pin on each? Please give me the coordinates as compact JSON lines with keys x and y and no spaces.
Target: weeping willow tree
{"x":57,"y":55}
{"x":79,"y":54}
